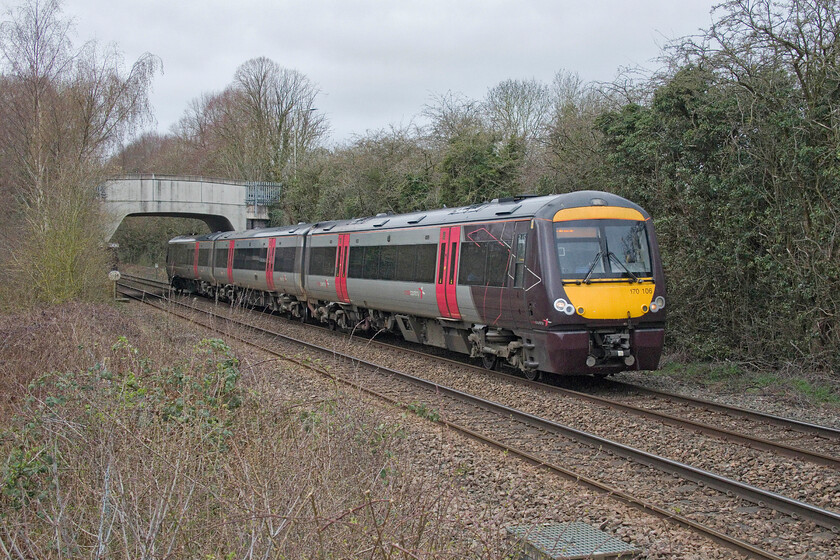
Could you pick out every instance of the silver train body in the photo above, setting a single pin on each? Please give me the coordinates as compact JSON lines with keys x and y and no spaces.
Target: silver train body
{"x":503,"y":280}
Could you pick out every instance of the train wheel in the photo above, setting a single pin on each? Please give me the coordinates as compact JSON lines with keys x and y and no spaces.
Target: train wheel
{"x":489,"y":361}
{"x":532,"y":374}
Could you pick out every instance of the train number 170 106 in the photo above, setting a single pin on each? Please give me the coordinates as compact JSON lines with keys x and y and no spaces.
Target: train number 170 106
{"x":639,"y":291}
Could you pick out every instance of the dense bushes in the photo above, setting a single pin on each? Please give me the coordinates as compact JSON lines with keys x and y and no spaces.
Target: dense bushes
{"x":736,"y":157}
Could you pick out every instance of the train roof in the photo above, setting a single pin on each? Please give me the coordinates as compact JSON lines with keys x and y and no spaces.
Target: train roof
{"x":247,"y":234}
{"x":186,"y":238}
{"x":518,"y":207}
{"x":264,"y":232}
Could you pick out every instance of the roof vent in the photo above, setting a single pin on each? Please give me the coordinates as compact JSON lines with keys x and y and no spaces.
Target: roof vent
{"x":508,"y":211}
{"x":514,"y":198}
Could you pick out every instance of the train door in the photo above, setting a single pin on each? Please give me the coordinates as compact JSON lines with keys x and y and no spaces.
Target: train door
{"x":195,"y":261}
{"x":447,"y":272}
{"x":230,"y":262}
{"x":269,"y":264}
{"x":521,"y":277}
{"x":341,"y":260}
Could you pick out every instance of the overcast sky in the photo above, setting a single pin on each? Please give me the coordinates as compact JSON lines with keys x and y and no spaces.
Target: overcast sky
{"x":377,"y":62}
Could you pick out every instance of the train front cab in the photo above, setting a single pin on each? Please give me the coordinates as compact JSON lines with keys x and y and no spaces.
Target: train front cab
{"x":603,"y":304}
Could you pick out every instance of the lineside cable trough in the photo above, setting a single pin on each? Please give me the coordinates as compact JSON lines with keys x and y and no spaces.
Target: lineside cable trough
{"x":568,"y":541}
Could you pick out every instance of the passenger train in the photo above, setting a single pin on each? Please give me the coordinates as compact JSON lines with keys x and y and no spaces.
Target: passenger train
{"x":567,"y":284}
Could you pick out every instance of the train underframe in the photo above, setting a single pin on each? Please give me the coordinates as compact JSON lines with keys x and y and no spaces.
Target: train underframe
{"x":598,"y":351}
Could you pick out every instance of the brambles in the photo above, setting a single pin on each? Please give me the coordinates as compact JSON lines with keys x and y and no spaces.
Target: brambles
{"x":162,"y":444}
{"x":421,"y":410}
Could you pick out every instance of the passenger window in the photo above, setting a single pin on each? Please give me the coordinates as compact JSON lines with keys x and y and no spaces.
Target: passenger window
{"x":406,"y":257}
{"x":519,"y":270}
{"x":453,"y":263}
{"x":388,"y":263}
{"x":498,"y":261}
{"x":284,"y":259}
{"x":322,"y":261}
{"x":371,"y":264}
{"x":357,"y":260}
{"x":425,"y":269}
{"x":442,"y":264}
{"x":473,"y":262}
{"x":221,"y":258}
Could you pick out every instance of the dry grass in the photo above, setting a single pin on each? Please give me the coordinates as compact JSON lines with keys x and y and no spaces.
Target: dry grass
{"x":159,"y":445}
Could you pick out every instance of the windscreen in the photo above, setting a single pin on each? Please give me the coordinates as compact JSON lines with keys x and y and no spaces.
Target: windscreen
{"x":599,"y":249}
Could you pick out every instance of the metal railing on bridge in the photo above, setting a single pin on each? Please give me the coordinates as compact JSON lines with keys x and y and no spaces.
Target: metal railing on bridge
{"x":262,"y":193}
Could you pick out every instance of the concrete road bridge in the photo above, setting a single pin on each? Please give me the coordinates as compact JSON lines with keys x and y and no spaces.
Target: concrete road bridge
{"x":222,"y":204}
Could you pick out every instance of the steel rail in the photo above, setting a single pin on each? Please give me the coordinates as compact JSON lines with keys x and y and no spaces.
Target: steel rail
{"x":761,"y":497}
{"x":749,"y":441}
{"x":791,"y":423}
{"x":148,"y":281}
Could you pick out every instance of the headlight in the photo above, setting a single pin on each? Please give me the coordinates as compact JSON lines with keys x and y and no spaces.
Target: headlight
{"x":564,"y":306}
{"x":657,"y":304}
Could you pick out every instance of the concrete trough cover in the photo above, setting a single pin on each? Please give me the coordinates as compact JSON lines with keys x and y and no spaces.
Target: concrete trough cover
{"x":568,"y":541}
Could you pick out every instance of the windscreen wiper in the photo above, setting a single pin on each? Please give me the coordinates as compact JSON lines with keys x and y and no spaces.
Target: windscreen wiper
{"x":615,"y":259}
{"x":592,"y":267}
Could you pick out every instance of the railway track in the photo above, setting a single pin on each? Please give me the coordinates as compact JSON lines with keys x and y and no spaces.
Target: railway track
{"x":805,"y":437}
{"x":794,"y":438}
{"x":755,"y":429}
{"x":711,"y":499}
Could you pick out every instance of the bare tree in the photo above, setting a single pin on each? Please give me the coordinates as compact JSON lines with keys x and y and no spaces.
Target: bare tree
{"x":199,"y":135}
{"x":66,"y":111}
{"x":803,"y":36}
{"x":572,"y":140}
{"x":267,"y":120}
{"x":36,"y":52}
{"x":452,"y":114}
{"x":519,"y":108}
